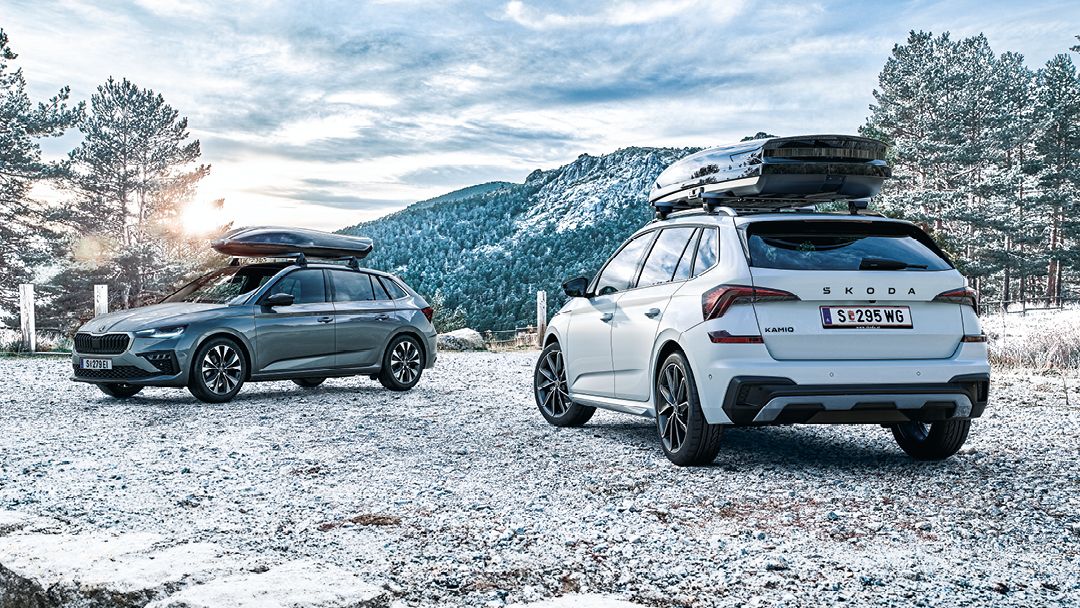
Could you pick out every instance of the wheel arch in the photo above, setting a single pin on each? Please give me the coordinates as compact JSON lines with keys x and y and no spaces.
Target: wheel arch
{"x":412,"y":333}
{"x":240,"y":339}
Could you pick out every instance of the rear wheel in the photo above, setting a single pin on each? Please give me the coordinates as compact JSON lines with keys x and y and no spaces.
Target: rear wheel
{"x":402,"y":364}
{"x":687,"y":438}
{"x":931,"y":441}
{"x":218,"y":371}
{"x":308,"y":382}
{"x":120,"y":390}
{"x":551,"y":392}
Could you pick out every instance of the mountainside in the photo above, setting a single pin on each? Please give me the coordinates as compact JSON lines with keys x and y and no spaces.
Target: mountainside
{"x":482,"y":252}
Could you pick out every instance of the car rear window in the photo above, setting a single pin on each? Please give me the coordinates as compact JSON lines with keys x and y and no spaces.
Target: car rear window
{"x":842,"y":245}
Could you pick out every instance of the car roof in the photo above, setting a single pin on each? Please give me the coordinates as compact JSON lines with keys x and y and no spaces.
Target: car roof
{"x":697,"y":216}
{"x":282,"y":265}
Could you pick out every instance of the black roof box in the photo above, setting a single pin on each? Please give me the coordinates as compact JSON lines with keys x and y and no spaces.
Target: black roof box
{"x":274,"y":241}
{"x":774,"y":173}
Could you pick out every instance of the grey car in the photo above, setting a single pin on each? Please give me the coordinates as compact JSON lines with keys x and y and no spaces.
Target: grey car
{"x":268,"y":321}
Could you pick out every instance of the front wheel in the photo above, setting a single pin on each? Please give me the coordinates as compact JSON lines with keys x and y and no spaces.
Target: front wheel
{"x":218,"y":370}
{"x":402,"y":364}
{"x":931,"y":441}
{"x":552,"y":395}
{"x":687,"y":438}
{"x":120,"y":390}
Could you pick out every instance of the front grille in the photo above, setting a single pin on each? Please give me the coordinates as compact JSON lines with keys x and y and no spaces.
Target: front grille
{"x":119,"y":372}
{"x":106,"y":344}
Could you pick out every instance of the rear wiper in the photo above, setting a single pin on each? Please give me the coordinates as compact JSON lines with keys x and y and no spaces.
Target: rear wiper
{"x":886,"y":264}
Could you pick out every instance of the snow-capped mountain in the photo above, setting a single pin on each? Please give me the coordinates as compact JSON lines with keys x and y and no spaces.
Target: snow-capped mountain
{"x":482,"y":252}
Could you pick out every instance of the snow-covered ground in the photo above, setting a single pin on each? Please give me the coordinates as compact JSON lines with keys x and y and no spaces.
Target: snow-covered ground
{"x":1037,"y":339}
{"x":458,"y":493}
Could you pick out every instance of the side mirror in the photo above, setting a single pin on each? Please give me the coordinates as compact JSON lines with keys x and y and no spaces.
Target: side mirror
{"x":279,"y":299}
{"x":576,"y":288}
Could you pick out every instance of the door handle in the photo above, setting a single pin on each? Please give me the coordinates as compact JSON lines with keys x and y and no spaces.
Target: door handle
{"x":383,"y":317}
{"x":607,"y":316}
{"x":652,"y":313}
{"x":325,"y":319}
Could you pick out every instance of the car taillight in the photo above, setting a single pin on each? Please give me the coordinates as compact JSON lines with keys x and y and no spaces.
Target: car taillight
{"x":716,"y":301}
{"x":723,"y":337}
{"x":966,"y":296}
{"x":973,"y":338}
{"x":429,"y":312}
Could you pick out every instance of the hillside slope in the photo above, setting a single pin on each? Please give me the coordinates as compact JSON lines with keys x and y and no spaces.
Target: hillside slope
{"x":484,"y":251}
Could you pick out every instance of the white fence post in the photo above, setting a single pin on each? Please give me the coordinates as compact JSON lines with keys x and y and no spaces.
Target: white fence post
{"x":541,"y":317}
{"x":26,"y":317}
{"x":101,"y":300}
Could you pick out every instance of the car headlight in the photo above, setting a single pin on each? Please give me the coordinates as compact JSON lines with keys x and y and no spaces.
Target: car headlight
{"x":162,"y":332}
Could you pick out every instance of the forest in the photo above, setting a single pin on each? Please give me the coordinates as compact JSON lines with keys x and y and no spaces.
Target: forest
{"x":985,"y":149}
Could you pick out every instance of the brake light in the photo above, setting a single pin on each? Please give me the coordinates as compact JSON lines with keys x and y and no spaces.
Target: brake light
{"x":723,"y":337}
{"x":716,"y":301}
{"x":965,"y":295}
{"x":429,"y":312}
{"x":973,"y":338}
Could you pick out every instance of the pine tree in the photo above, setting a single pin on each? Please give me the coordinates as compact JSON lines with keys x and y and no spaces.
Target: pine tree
{"x":1057,"y":166}
{"x":134,"y":171}
{"x":27,"y":236}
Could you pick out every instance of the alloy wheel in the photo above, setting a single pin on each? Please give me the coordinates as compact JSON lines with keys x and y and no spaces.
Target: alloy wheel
{"x":222,"y":369}
{"x":551,"y":385}
{"x":405,"y":361}
{"x":673,"y":413}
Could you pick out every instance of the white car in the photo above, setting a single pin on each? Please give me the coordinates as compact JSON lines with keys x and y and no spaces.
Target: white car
{"x":706,"y":320}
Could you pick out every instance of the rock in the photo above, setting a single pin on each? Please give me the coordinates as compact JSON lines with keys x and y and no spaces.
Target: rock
{"x":462,"y":339}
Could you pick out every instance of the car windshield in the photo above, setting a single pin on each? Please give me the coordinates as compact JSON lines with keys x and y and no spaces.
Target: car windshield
{"x":224,"y":286}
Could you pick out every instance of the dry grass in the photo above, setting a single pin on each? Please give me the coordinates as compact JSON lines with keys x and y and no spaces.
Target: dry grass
{"x":1038,"y":340}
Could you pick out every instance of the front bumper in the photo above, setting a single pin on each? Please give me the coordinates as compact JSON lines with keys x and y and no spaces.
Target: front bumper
{"x":757,"y":400}
{"x":149,"y":362}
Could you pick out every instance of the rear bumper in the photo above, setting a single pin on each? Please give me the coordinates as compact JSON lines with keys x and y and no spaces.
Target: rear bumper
{"x":760,"y":400}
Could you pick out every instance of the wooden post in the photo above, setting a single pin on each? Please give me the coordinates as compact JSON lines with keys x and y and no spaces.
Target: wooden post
{"x":26,"y":317}
{"x":541,"y":317}
{"x":101,"y":300}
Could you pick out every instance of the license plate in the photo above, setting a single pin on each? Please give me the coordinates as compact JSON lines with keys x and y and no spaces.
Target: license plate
{"x":97,"y":363}
{"x":865,"y":317}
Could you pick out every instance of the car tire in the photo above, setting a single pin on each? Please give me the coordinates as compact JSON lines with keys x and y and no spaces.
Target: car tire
{"x":551,"y":393}
{"x":218,"y":370}
{"x":402,"y":363}
{"x":686,"y":437}
{"x":931,"y":441}
{"x":120,"y":390}
{"x":308,"y":382}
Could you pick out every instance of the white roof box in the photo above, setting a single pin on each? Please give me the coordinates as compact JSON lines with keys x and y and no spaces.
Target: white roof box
{"x":774,"y":173}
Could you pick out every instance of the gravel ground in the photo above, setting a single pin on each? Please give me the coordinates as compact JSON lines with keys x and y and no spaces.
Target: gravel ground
{"x":458,"y":493}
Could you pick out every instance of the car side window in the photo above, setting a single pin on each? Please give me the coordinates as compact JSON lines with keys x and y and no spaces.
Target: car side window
{"x":665,"y":255}
{"x":619,"y":272}
{"x":351,"y":286}
{"x":377,"y":286}
{"x":708,"y":251}
{"x":392,"y":288}
{"x":682,"y":271}
{"x":307,"y":286}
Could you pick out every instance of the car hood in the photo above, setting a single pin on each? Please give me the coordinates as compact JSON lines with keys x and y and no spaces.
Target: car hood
{"x":155,"y":315}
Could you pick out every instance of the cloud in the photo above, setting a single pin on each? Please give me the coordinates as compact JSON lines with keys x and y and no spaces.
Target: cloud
{"x":623,"y":13}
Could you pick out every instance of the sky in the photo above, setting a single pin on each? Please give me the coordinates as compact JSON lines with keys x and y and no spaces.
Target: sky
{"x":326,"y":114}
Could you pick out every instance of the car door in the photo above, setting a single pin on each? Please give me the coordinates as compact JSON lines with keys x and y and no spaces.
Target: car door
{"x":298,"y":337}
{"x":366,"y":317}
{"x":587,"y":348}
{"x":640,"y":309}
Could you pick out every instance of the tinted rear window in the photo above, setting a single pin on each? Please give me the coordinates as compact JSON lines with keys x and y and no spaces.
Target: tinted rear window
{"x":843,"y":245}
